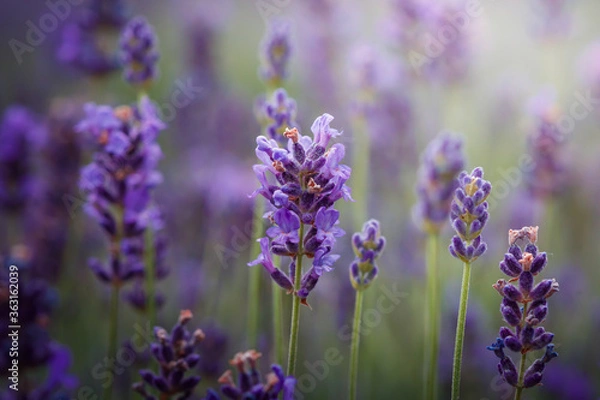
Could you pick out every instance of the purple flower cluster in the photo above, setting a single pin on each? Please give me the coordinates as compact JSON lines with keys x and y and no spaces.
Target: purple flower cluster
{"x":524,"y":308}
{"x":118,"y":183}
{"x":308,"y":179}
{"x":547,"y":177}
{"x":468,"y":215}
{"x":18,"y":132}
{"x":176,"y":354}
{"x":249,"y":385}
{"x":275,"y":50}
{"x":276,"y":114}
{"x":138,"y":51}
{"x":83,"y":43}
{"x":367,"y":246}
{"x":441,"y":162}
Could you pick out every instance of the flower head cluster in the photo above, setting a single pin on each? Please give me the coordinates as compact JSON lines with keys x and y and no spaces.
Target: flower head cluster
{"x":468,"y":214}
{"x":367,"y":246}
{"x":547,"y":177}
{"x":119,"y":180}
{"x":176,"y":354}
{"x":441,"y":163}
{"x":138,"y":51}
{"x":275,"y":50}
{"x":276,"y":114}
{"x":83,"y":43}
{"x":524,"y":307}
{"x":18,"y":131}
{"x":250,"y":385}
{"x":308,"y":179}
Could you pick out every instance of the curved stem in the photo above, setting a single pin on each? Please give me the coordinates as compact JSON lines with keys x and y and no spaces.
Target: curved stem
{"x":277,"y":320}
{"x":254,"y":281}
{"x":355,"y":343}
{"x":113,"y":329}
{"x":460,"y":331}
{"x":432,"y":320}
{"x":295,"y":323}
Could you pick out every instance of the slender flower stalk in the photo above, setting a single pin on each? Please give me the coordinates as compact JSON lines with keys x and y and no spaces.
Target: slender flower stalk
{"x":524,"y":308}
{"x":368,"y":246}
{"x":441,"y":163}
{"x":274,"y":115}
{"x":302,"y":181}
{"x":468,"y":214}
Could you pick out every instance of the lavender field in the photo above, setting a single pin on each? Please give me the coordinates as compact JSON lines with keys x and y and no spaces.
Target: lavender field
{"x":299,"y":199}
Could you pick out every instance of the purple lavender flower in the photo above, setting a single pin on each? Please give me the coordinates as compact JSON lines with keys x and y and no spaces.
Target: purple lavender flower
{"x":19,"y":131}
{"x":441,"y":162}
{"x":468,"y":215}
{"x":367,"y":246}
{"x":276,"y":114}
{"x":589,"y":67}
{"x":138,"y":51}
{"x":83,"y":39}
{"x":249,"y":383}
{"x":275,"y":50}
{"x":547,"y":177}
{"x":308,"y":179}
{"x":176,"y":354}
{"x":119,"y":181}
{"x":524,"y":308}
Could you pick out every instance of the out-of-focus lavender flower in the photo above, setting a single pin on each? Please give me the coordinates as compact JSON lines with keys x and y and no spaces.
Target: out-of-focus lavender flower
{"x":84,"y":41}
{"x":308,"y":179}
{"x":54,"y":201}
{"x":138,"y":51}
{"x":441,"y":162}
{"x":250,"y":385}
{"x":119,"y":181}
{"x":589,"y":67}
{"x":524,"y":308}
{"x":552,"y":18}
{"x":176,"y":353}
{"x":548,"y":175}
{"x":214,"y":349}
{"x":468,"y":215}
{"x":367,"y":246}
{"x":275,"y":51}
{"x":276,"y":114}
{"x":19,"y":132}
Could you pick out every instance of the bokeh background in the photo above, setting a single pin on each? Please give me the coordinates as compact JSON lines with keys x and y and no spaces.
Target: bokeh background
{"x":513,"y":67}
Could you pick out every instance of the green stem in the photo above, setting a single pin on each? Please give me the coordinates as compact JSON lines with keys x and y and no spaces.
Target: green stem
{"x":277,"y":323}
{"x":460,"y":331}
{"x":355,"y":343}
{"x":295,"y":323}
{"x":113,"y":329}
{"x":521,"y":377}
{"x":432,"y":320}
{"x":150,"y":276}
{"x":255,"y":273}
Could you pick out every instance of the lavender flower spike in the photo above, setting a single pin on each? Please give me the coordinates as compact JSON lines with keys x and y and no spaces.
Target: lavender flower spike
{"x":441,"y":163}
{"x":138,"y":51}
{"x":176,"y":354}
{"x":275,"y":50}
{"x":250,"y":384}
{"x":524,"y":308}
{"x":468,"y":215}
{"x":368,"y":246}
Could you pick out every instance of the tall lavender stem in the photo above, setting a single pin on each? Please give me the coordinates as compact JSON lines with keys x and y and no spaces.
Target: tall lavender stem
{"x":460,"y":331}
{"x":295,"y":320}
{"x":433,"y":289}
